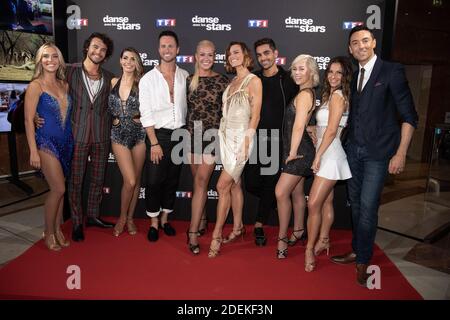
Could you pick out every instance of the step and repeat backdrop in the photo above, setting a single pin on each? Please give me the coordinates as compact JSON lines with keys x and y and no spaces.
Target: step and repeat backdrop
{"x":316,"y":27}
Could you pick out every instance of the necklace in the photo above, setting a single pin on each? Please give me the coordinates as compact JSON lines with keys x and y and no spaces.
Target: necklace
{"x":93,"y":76}
{"x":237,"y":78}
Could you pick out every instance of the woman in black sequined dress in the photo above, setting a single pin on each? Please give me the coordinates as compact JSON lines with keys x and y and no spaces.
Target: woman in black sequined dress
{"x":127,"y":135}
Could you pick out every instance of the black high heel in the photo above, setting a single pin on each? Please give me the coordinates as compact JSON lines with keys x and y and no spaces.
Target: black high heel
{"x":302,"y":238}
{"x":203,"y":231}
{"x":282,"y":254}
{"x":194,"y":248}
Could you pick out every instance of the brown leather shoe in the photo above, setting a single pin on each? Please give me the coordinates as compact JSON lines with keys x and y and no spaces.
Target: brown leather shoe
{"x":362,"y":275}
{"x":349,"y":257}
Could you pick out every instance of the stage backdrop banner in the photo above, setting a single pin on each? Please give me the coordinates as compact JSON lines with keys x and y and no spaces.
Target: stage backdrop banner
{"x":316,"y":27}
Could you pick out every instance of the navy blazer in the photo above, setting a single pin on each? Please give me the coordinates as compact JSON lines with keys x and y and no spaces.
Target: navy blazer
{"x":384,"y":103}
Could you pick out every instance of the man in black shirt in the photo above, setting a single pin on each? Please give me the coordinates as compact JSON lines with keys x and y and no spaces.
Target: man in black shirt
{"x":278,"y":90}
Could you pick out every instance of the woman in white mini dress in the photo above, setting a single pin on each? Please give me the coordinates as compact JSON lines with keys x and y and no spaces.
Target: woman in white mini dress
{"x":330,"y":163}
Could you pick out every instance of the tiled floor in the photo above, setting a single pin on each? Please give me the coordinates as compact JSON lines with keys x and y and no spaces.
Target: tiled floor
{"x":413,"y":216}
{"x":410,"y":214}
{"x":18,"y":231}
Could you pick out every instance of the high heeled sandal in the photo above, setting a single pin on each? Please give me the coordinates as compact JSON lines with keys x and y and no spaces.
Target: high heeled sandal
{"x":302,"y":238}
{"x":282,"y":254}
{"x":214,"y":252}
{"x":235,"y":234}
{"x":62,"y":241}
{"x":203,"y":230}
{"x":131,"y":227}
{"x":309,"y":266}
{"x":325,"y":245}
{"x":194,"y":248}
{"x":118,"y":228}
{"x":50,"y":242}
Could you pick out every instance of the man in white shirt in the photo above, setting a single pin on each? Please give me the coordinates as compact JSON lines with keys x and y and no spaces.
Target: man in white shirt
{"x":163,"y":106}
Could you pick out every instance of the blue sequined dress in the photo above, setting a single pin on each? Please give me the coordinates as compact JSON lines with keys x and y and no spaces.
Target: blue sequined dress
{"x":55,"y":136}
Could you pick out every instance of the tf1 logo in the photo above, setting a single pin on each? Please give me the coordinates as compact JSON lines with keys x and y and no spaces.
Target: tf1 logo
{"x":185,"y":59}
{"x":74,"y":21}
{"x":348,"y":25}
{"x":280,"y":61}
{"x":258,"y":23}
{"x":166,"y":22}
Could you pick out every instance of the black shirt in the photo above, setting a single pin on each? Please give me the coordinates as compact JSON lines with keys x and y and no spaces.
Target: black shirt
{"x":278,"y":91}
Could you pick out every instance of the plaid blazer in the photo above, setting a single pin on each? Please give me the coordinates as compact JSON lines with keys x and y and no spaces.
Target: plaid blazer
{"x":91,"y":122}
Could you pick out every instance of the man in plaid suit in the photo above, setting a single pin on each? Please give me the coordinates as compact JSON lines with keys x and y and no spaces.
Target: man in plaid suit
{"x":89,"y":85}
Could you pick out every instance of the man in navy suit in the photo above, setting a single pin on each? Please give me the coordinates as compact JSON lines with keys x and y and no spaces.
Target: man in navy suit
{"x":376,"y":143}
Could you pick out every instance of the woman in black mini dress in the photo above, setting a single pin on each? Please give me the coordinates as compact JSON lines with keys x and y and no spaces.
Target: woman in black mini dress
{"x":298,"y":148}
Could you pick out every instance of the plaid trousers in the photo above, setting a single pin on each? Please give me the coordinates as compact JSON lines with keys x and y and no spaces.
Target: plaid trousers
{"x":99,"y":155}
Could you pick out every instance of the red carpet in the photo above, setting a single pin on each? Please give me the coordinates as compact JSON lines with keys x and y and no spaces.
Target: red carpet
{"x":130,"y":267}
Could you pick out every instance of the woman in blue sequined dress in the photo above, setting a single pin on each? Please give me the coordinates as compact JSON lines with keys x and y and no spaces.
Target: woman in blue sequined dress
{"x":51,"y":145}
{"x":127,"y":135}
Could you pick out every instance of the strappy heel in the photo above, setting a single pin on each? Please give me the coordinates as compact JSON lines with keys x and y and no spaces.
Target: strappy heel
{"x":282,"y":254}
{"x":321,"y":245}
{"x":202,"y":231}
{"x":214,"y":252}
{"x":302,"y":238}
{"x":118,"y":228}
{"x":62,"y":241}
{"x":131,"y":227}
{"x":235,"y":234}
{"x":50,"y":242}
{"x":194,"y":248}
{"x":309,"y":265}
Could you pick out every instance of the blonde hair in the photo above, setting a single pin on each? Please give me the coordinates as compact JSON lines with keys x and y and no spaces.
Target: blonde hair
{"x":196,"y":77}
{"x":60,"y":73}
{"x":312,"y":66}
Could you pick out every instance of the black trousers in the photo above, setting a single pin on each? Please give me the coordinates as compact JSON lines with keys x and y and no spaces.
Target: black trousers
{"x":162,"y":178}
{"x":262,"y":186}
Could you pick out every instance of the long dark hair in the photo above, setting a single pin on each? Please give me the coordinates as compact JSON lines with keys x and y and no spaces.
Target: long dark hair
{"x":345,"y":82}
{"x":139,"y":71}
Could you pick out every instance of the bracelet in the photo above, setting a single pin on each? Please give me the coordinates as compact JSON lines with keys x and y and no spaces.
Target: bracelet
{"x":153,"y":145}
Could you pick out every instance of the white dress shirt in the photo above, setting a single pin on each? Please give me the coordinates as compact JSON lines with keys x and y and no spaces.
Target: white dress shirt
{"x":154,"y":100}
{"x":367,"y":70}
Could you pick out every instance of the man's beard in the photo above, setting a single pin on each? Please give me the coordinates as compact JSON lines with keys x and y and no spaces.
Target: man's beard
{"x":267,"y":66}
{"x":95,"y":62}
{"x":169,"y":61}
